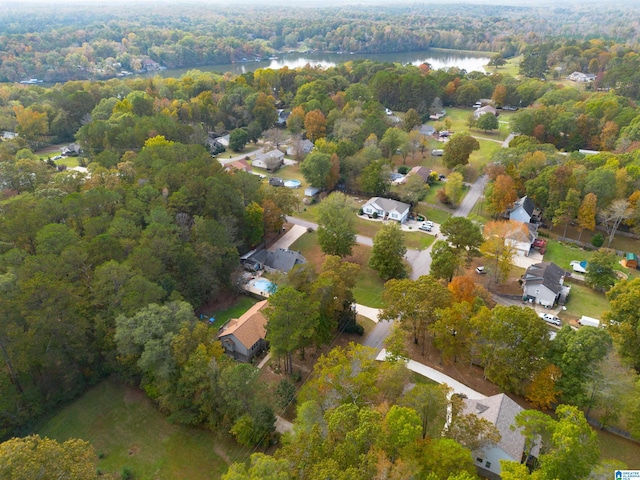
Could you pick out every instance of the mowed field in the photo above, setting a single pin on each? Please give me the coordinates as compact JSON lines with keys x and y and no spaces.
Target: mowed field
{"x":126,"y":430}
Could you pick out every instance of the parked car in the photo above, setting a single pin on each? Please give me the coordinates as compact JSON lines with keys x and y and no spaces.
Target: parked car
{"x":57,"y":157}
{"x":442,"y":177}
{"x":509,"y":108}
{"x":547,"y":317}
{"x":481,"y":270}
{"x":437,"y":153}
{"x":426,"y":226}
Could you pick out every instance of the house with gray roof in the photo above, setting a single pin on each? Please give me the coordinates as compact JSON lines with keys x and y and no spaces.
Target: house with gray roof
{"x":501,"y":411}
{"x":386,"y":209}
{"x":523,"y":210}
{"x":281,"y":260}
{"x":543,"y":283}
{"x":270,"y":161}
{"x":521,"y":236}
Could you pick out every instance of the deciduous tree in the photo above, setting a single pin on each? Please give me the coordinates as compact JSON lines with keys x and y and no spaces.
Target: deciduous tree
{"x":464,"y":235}
{"x":600,"y":273}
{"x":458,"y":149}
{"x":501,"y":195}
{"x":315,"y":124}
{"x":336,"y":225}
{"x":35,"y":457}
{"x":387,"y":255}
{"x":454,"y":187}
{"x":444,"y":260}
{"x":587,"y":213}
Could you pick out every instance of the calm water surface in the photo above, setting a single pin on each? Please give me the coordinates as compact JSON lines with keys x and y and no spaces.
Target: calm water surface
{"x":437,"y":60}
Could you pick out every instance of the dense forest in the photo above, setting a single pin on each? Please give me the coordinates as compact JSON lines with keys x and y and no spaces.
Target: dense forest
{"x":80,"y":42}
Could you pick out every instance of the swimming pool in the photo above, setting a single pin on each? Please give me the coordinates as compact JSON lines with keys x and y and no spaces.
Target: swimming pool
{"x":292,"y":184}
{"x":263,"y":285}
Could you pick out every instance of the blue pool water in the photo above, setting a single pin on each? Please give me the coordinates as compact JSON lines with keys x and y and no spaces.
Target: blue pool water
{"x":292,"y":183}
{"x":264,"y":285}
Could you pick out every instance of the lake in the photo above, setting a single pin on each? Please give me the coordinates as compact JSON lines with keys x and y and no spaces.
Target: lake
{"x":436,"y":58}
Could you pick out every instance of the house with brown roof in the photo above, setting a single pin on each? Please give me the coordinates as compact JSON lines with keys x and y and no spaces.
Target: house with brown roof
{"x":243,"y":338}
{"x":238,"y":165}
{"x":421,"y":171}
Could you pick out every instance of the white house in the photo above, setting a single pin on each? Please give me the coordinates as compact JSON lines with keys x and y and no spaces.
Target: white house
{"x":386,"y":209}
{"x":486,"y":109}
{"x":543,"y":283}
{"x":521,"y":236}
{"x":581,"y":77}
{"x":244,"y":337}
{"x":501,"y":411}
{"x":270,"y":161}
{"x":523,"y":210}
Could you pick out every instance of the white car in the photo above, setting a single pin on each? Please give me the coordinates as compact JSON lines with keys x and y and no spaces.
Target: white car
{"x":426,"y":226}
{"x":547,"y":317}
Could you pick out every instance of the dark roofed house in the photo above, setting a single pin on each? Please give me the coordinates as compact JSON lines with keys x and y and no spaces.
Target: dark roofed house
{"x":501,"y":411}
{"x":523,"y":210}
{"x":281,"y":260}
{"x":244,"y":337}
{"x":543,"y":283}
{"x":72,"y":150}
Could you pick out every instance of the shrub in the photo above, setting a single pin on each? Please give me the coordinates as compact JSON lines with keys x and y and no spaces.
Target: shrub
{"x":126,"y":473}
{"x":285,"y":394}
{"x":597,"y":240}
{"x":442,"y":197}
{"x":403,"y":169}
{"x":360,"y":212}
{"x":375,"y":215}
{"x":353,"y":327}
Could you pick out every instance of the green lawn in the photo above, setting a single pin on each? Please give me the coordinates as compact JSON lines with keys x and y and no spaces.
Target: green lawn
{"x":512,"y":67}
{"x":614,"y":446}
{"x":243,"y":304}
{"x":434,"y":214}
{"x":563,"y":253}
{"x":369,"y":287}
{"x":585,"y":301}
{"x":126,"y":430}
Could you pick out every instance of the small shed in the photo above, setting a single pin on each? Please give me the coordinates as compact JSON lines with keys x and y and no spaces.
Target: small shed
{"x":311,"y":191}
{"x":630,"y":260}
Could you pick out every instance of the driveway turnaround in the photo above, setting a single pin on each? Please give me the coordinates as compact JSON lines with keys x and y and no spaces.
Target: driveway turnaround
{"x":438,"y":377}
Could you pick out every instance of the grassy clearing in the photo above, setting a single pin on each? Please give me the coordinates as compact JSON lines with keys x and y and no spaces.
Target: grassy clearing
{"x":434,"y":214}
{"x":563,"y":253}
{"x":243,"y":304}
{"x":614,"y":446}
{"x":585,"y":301}
{"x":480,"y":158}
{"x":512,"y":67}
{"x":127,"y":430}
{"x":418,"y":240}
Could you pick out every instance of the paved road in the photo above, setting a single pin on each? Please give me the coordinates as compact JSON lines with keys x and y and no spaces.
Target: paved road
{"x":472,"y":196}
{"x":378,"y":335}
{"x":438,"y":377}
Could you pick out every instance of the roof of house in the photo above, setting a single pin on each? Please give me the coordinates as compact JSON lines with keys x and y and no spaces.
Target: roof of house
{"x":427,"y":130}
{"x":526,"y":204}
{"x":281,"y":259}
{"x":501,"y":411}
{"x":424,"y":172}
{"x":545,"y":273}
{"x":264,"y":156}
{"x":388,"y":205}
{"x":522,"y":232}
{"x":486,"y":109}
{"x":239,"y":165}
{"x":249,"y":328}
